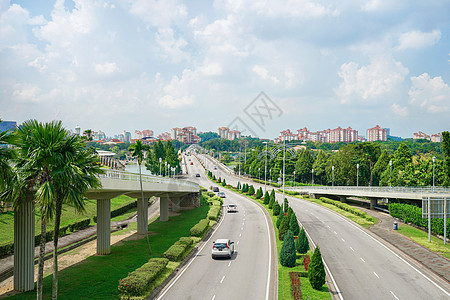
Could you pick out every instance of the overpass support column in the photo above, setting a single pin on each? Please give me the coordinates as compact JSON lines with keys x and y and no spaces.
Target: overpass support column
{"x":163,"y":208}
{"x":343,"y":199}
{"x":373,"y":202}
{"x":142,"y":216}
{"x":24,"y":246}
{"x":103,"y":226}
{"x":175,"y":203}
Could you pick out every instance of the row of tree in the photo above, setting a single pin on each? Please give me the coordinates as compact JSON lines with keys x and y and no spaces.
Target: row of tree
{"x":160,"y":156}
{"x":49,"y":168}
{"x":362,"y":164}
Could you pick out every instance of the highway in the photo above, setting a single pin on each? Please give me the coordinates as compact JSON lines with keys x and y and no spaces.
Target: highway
{"x":362,"y":265}
{"x":252,"y":271}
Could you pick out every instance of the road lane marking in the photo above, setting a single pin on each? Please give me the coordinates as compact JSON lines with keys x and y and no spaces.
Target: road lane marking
{"x":376,"y":275}
{"x":242,"y":228}
{"x":240,"y":234}
{"x":335,"y":232}
{"x":222,"y":279}
{"x":343,"y":240}
{"x":362,"y":259}
{"x":213,"y":297}
{"x":237,"y":242}
{"x":393,"y":295}
{"x":229,"y":264}
{"x":352,"y":249}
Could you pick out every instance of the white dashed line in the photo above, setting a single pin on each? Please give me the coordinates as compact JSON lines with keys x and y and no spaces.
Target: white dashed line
{"x":240,"y":234}
{"x":222,"y":279}
{"x":376,"y":275}
{"x":213,"y":297}
{"x":343,"y":240}
{"x":242,"y":228}
{"x":335,"y":232}
{"x":237,"y":243}
{"x":229,"y":264}
{"x":393,"y":295}
{"x":362,"y":259}
{"x":352,"y":249}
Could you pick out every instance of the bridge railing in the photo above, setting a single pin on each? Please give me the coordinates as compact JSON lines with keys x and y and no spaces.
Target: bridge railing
{"x":123,"y":175}
{"x":379,"y":189}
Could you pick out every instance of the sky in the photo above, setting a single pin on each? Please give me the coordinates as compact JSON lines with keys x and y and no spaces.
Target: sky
{"x":257,"y":66}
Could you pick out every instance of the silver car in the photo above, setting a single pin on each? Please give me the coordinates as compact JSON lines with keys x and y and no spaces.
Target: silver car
{"x":222,"y":248}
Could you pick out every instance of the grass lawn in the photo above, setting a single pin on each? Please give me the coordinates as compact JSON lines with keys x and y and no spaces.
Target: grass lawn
{"x":68,"y":216}
{"x":421,"y":237}
{"x":97,"y":277}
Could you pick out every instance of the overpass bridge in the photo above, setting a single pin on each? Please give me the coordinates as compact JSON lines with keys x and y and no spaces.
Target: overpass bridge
{"x":375,"y":193}
{"x":172,"y":192}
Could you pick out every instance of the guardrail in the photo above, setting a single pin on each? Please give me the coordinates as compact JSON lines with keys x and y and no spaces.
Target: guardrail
{"x":380,"y":189}
{"x":123,"y":175}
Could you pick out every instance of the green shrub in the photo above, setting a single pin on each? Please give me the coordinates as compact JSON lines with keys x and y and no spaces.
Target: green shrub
{"x":220,"y":180}
{"x":284,"y":227}
{"x":272,"y":199}
{"x":177,"y":251}
{"x":224,"y":183}
{"x":276,"y":209}
{"x":266,"y":198}
{"x":280,"y":218}
{"x":316,"y":270}
{"x":137,"y":282}
{"x":302,"y":244}
{"x":251,"y":190}
{"x":259,"y":193}
{"x":287,"y":252}
{"x":200,"y":228}
{"x":214,"y":212}
{"x":293,"y":224}
{"x":6,"y":249}
{"x":286,"y":205}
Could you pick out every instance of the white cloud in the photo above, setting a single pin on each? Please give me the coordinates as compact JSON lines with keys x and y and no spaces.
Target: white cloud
{"x":262,"y":72}
{"x":431,"y":94}
{"x":159,"y":13}
{"x":176,"y":94}
{"x":107,"y":68}
{"x":418,"y":39}
{"x":26,"y":92}
{"x":399,"y":110}
{"x":211,"y":69}
{"x":382,"y":76}
{"x":381,"y":5}
{"x":170,"y":46}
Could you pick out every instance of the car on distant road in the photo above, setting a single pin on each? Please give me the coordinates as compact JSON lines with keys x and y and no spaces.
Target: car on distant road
{"x":221,"y":195}
{"x":215,"y":168}
{"x":192,"y":163}
{"x":222,"y":248}
{"x":215,"y":189}
{"x":232,"y":208}
{"x":197,"y":175}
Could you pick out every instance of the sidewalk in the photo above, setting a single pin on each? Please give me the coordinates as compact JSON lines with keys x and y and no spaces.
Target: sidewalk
{"x":429,"y":259}
{"x":88,"y":234}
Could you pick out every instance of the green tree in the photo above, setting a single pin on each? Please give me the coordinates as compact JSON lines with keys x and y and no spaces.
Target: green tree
{"x":251,"y":190}
{"x":302,"y":244}
{"x":303,"y":166}
{"x":446,"y":151}
{"x":259,"y":193}
{"x":284,"y":227}
{"x":224,"y":183}
{"x":280,"y":218}
{"x":287,"y":252}
{"x":266,"y":197}
{"x":271,"y":200}
{"x":293,"y":225}
{"x":380,"y":166}
{"x":316,"y":270}
{"x":138,"y":150}
{"x":319,"y":167}
{"x":276,"y":209}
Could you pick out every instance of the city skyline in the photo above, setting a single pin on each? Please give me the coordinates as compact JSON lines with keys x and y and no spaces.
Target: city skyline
{"x":117,"y":66}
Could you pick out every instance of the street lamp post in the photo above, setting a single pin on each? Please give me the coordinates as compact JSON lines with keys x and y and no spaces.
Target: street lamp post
{"x":165,"y":168}
{"x":434,"y":161}
{"x":332,"y":175}
{"x":160,"y":160}
{"x":312,"y":177}
{"x":259,"y":173}
{"x":168,"y":169}
{"x":265,"y":168}
{"x":250,"y":171}
{"x":390,"y":173}
{"x":357,"y":175}
{"x":284,"y":168}
{"x":294,"y":178}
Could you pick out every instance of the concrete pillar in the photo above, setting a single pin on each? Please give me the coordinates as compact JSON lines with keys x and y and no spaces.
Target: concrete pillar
{"x":343,"y":199}
{"x":163,"y":208}
{"x":24,"y":246}
{"x":142,"y":216}
{"x":373,"y":202}
{"x":103,"y":226}
{"x":175,"y":203}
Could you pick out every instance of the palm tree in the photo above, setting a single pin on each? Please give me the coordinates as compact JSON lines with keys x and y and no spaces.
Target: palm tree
{"x":137,"y":150}
{"x":75,"y":172}
{"x":88,"y":135}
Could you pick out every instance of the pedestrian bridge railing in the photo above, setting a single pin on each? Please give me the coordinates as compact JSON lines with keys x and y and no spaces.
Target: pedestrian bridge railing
{"x":123,"y":175}
{"x":376,"y":189}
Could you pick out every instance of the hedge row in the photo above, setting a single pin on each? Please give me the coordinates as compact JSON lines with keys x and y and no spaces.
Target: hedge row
{"x":348,"y":208}
{"x":177,"y":251}
{"x":200,"y":228}
{"x":120,"y":210}
{"x":214,"y":212}
{"x":8,"y":248}
{"x":137,"y":283}
{"x":413,"y":214}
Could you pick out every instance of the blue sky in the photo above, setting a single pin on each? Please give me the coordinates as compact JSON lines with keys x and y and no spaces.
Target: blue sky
{"x":143,"y":64}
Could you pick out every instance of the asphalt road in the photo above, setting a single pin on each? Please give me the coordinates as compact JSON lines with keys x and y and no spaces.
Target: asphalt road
{"x":251,"y":272}
{"x":362,"y":266}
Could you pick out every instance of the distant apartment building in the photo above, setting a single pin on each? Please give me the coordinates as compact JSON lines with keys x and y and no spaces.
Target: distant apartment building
{"x":174,"y":132}
{"x":78,"y":130}
{"x":421,"y":135}
{"x":223,"y":132}
{"x":226,"y":133}
{"x":377,"y":134}
{"x":436,"y":138}
{"x":187,"y":135}
{"x":347,"y":135}
{"x":165,"y":136}
{"x":99,"y":135}
{"x":339,"y":134}
{"x":142,"y":134}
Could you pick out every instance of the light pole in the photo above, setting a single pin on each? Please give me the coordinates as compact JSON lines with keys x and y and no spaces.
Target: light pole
{"x":284,"y":168}
{"x":265,"y":168}
{"x":357,"y":175}
{"x":390,"y":173}
{"x":160,"y":160}
{"x":312,"y":177}
{"x":294,"y":178}
{"x":168,"y":169}
{"x":250,"y":171}
{"x":259,"y":173}
{"x":240,"y":149}
{"x":434,"y":161}
{"x":332,"y":175}
{"x":165,"y":168}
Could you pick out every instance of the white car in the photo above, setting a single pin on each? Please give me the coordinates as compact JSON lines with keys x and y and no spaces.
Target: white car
{"x":222,"y":248}
{"x":232,"y":208}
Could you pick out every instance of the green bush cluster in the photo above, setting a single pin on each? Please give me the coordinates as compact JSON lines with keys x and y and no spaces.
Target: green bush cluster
{"x":287,"y":252}
{"x":276,"y":209}
{"x":177,"y":251}
{"x":120,"y":210}
{"x":266,"y":198}
{"x":200,"y":228}
{"x":349,"y":208}
{"x":251,"y":190}
{"x":316,"y":270}
{"x":214,"y":212}
{"x":413,"y":214}
{"x":302,"y":244}
{"x":137,"y":283}
{"x":259,"y":193}
{"x":6,"y":248}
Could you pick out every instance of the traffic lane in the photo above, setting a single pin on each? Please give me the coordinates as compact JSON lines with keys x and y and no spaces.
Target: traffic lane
{"x":213,"y":276}
{"x":357,"y":259}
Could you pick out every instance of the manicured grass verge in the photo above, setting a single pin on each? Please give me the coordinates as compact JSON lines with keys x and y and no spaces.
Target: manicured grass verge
{"x":97,"y":277}
{"x":421,"y":237}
